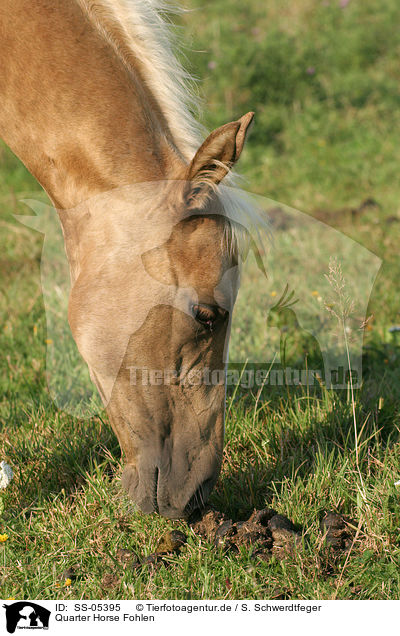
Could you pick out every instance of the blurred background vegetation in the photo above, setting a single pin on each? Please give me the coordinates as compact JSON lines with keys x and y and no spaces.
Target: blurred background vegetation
{"x":323,"y":79}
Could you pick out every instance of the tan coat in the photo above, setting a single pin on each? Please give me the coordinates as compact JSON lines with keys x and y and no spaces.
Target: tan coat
{"x":87,"y":117}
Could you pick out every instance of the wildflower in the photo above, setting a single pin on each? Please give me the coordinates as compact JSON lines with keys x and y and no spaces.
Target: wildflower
{"x":48,"y":341}
{"x":397,"y":483}
{"x":315,"y":293}
{"x":6,"y":474}
{"x":3,"y":538}
{"x":273,"y":294}
{"x":212,"y":65}
{"x":310,"y":70}
{"x":67,"y":582}
{"x":34,"y":330}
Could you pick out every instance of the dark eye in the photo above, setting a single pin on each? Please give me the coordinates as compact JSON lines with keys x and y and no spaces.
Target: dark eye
{"x":207,"y":315}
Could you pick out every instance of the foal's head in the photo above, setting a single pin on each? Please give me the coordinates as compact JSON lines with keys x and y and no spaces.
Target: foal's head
{"x":155,"y":280}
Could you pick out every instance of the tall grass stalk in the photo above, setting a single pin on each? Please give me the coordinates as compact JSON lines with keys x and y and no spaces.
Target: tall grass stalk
{"x":342,"y":308}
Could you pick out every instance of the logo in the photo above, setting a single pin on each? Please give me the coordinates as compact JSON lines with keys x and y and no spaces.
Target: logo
{"x":26,"y":615}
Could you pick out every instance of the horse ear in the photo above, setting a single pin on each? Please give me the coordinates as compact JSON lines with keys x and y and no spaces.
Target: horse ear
{"x":215,"y":158}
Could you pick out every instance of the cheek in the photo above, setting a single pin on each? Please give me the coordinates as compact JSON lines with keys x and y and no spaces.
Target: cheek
{"x":100,"y":329}
{"x":95,"y":343}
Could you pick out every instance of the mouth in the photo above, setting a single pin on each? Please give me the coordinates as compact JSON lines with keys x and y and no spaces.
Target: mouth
{"x":198,"y":501}
{"x":153,"y":490}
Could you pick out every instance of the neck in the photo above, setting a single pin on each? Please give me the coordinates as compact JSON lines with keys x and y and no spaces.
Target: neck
{"x":78,"y":118}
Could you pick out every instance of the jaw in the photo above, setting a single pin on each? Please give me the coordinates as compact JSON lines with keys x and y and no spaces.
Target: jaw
{"x":173,"y":457}
{"x":155,"y":490}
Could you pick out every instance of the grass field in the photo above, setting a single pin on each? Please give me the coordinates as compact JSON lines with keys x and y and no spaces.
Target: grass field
{"x":323,"y":78}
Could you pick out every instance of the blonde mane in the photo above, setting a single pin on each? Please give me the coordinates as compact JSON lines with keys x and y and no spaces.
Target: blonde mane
{"x":141,"y":34}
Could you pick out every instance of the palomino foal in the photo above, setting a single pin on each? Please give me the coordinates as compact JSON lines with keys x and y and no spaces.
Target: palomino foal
{"x":89,"y":110}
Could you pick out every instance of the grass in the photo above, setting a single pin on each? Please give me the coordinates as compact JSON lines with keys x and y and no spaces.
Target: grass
{"x":323,"y":81}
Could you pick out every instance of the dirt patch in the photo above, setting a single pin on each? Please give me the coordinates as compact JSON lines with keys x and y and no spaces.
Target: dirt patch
{"x":170,"y":543}
{"x":281,"y":220}
{"x":269,"y":533}
{"x":347,"y":214}
{"x":338,"y":531}
{"x":127,"y":558}
{"x":266,"y":532}
{"x":110,"y":580}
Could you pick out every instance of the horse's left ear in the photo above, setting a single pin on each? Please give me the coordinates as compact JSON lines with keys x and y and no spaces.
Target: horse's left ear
{"x":215,"y":158}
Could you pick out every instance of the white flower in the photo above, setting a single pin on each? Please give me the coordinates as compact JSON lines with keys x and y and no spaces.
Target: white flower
{"x":6,"y":474}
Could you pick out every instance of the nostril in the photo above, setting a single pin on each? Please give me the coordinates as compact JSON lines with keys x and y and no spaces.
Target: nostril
{"x":142,"y":484}
{"x":141,"y":495}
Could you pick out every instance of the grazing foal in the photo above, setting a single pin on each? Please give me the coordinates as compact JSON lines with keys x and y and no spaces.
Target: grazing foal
{"x":93,"y":103}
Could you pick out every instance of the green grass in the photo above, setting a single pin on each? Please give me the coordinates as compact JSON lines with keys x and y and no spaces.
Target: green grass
{"x":324,"y":140}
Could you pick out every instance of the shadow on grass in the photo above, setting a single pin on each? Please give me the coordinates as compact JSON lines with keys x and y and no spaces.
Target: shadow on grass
{"x":294,"y":433}
{"x":52,"y":452}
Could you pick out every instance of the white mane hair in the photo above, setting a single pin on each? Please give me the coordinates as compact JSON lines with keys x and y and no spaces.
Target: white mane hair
{"x":141,"y":33}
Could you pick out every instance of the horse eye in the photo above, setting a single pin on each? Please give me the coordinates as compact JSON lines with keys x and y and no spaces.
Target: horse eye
{"x":206,"y":314}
